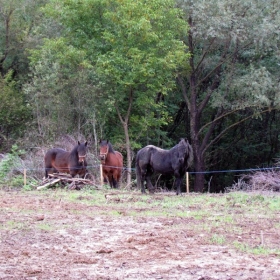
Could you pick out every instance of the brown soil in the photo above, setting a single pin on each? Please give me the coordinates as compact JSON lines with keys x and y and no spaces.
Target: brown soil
{"x":46,"y":238}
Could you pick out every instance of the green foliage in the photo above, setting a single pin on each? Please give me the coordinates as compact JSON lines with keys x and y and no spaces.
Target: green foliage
{"x":14,"y":110}
{"x":134,"y":48}
{"x":18,"y":19}
{"x":10,"y":165}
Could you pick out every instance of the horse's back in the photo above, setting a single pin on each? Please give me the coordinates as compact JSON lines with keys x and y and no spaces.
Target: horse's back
{"x":54,"y":151}
{"x":159,"y":159}
{"x":56,"y":158}
{"x":147,"y":153}
{"x":120,"y":158}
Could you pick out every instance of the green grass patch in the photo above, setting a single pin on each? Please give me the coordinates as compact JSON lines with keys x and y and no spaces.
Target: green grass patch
{"x":257,"y":250}
{"x":218,"y":239}
{"x":44,"y":226}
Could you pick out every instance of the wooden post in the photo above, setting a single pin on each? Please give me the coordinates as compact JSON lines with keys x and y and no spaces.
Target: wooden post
{"x":24,"y":177}
{"x":187,"y":182}
{"x":101,"y":176}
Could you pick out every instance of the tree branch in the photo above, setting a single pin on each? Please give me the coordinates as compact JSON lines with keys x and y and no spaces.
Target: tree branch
{"x":222,"y":61}
{"x":184,"y":90}
{"x":204,"y":54}
{"x":233,"y":125}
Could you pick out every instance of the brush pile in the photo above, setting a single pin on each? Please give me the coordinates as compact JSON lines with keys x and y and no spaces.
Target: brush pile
{"x":65,"y":180}
{"x":258,"y":181}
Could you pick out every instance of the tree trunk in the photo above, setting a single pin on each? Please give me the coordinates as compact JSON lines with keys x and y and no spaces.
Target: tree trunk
{"x":195,"y":115}
{"x":196,"y":145}
{"x":125,"y":121}
{"x":199,"y":168}
{"x":128,"y":153}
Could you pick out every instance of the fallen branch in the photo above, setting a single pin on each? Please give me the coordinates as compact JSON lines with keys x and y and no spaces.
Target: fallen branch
{"x":65,"y":179}
{"x":49,"y":184}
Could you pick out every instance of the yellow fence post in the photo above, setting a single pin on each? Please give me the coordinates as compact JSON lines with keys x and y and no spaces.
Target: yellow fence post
{"x":24,"y":177}
{"x":101,"y":176}
{"x":187,"y":182}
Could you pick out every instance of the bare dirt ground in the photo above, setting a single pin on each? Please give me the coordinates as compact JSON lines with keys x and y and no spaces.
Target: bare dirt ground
{"x":46,"y":238}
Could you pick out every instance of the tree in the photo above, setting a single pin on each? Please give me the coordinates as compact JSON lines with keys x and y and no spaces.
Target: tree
{"x":61,"y":90}
{"x":14,"y":111}
{"x":228,"y":40}
{"x":17,"y":22}
{"x":135,"y":49}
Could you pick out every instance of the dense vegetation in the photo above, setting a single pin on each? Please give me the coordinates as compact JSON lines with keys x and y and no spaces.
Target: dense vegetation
{"x":144,"y":72}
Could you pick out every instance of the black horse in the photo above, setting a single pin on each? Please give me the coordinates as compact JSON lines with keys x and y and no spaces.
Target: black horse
{"x":152,"y":159}
{"x":74,"y":162}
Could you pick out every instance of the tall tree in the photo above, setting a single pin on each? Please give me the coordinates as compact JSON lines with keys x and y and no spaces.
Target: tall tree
{"x":61,"y":91}
{"x":14,"y":111}
{"x":134,"y":47}
{"x":227,"y":41}
{"x":17,"y":22}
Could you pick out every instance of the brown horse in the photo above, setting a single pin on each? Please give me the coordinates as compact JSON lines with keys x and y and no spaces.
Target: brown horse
{"x":112,"y":163}
{"x":74,"y":162}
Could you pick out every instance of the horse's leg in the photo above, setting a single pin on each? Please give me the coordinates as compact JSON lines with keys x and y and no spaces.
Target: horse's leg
{"x":115,"y":179}
{"x":178,"y":182}
{"x":48,"y":167}
{"x":110,"y":178}
{"x":73,"y":172}
{"x":46,"y":172}
{"x":115,"y":183}
{"x":150,"y":186}
{"x":143,"y":178}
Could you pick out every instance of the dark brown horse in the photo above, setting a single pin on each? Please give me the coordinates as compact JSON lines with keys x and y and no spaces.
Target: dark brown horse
{"x":112,"y":163}
{"x":152,"y":159}
{"x":74,"y":162}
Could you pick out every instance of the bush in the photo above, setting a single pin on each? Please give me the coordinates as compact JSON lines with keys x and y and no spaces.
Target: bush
{"x":12,"y":168}
{"x":258,"y":181}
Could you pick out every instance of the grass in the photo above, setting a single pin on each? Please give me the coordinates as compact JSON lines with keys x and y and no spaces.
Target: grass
{"x":218,"y":239}
{"x":257,"y":250}
{"x":44,"y":226}
{"x":13,"y":225}
{"x":234,"y":219}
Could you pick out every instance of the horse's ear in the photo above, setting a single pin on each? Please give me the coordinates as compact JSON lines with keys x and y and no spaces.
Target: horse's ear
{"x":86,"y":143}
{"x":79,"y":143}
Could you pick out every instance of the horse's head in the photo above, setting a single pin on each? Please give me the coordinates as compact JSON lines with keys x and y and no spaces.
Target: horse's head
{"x":104,"y":149}
{"x":82,"y":151}
{"x":185,"y":151}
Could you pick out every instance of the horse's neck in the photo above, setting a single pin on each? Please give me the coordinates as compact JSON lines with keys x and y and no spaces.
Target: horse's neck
{"x":73,"y":154}
{"x":174,"y":148}
{"x":116,"y":152}
{"x":109,"y":155}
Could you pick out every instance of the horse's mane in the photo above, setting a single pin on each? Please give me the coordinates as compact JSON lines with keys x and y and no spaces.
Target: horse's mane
{"x":185,"y":148}
{"x":73,"y":152}
{"x":110,"y":147}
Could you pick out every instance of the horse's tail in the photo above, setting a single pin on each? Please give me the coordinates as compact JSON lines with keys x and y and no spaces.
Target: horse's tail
{"x":48,"y":163}
{"x":138,"y":172}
